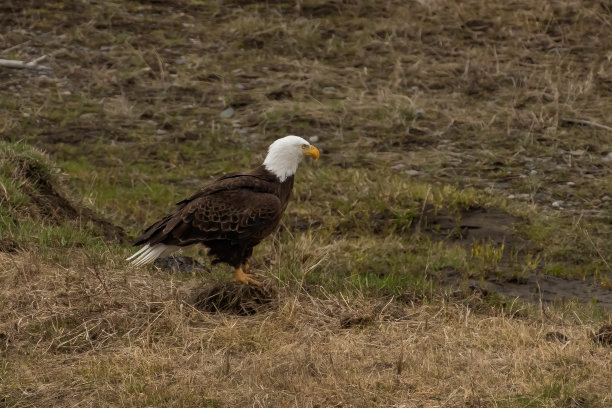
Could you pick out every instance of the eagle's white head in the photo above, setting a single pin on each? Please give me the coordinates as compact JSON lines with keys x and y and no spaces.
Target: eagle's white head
{"x":285,"y":154}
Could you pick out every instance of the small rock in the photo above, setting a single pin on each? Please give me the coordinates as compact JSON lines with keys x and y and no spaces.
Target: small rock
{"x":532,"y":172}
{"x":608,"y":157}
{"x":558,"y":203}
{"x":398,"y":166}
{"x":329,"y":89}
{"x":87,"y":116}
{"x":161,"y":132}
{"x":570,"y":183}
{"x":240,"y":86}
{"x":313,"y":139}
{"x":228,"y":113}
{"x":523,"y":196}
{"x":412,"y":172}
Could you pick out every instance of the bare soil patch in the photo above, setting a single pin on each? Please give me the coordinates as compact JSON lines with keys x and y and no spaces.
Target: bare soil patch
{"x":462,"y":226}
{"x":473,"y":224}
{"x":535,"y":287}
{"x":481,"y":225}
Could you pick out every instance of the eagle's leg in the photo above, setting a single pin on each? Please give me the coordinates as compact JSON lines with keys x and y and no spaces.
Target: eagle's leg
{"x":246,"y":278}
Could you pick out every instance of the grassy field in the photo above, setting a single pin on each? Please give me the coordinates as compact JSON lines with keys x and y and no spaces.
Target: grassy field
{"x":450,"y":248}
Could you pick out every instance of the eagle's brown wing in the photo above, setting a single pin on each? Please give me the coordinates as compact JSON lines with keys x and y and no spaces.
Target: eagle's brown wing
{"x":237,"y":208}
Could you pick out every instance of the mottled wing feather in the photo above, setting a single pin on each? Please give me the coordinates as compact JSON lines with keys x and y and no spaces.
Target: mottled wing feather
{"x":236,"y":214}
{"x":235,"y":207}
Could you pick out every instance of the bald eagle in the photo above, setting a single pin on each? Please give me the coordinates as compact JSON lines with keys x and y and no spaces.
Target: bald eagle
{"x":231,"y":215}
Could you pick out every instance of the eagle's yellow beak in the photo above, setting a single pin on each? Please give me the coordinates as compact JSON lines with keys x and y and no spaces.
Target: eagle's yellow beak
{"x":312,"y":152}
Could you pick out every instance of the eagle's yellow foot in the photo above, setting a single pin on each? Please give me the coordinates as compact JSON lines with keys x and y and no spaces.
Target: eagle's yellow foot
{"x":245,"y":278}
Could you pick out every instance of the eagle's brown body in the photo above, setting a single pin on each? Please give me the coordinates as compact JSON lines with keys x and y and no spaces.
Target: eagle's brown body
{"x":230,"y":216}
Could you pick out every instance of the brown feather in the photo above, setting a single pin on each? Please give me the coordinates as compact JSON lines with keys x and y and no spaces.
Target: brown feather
{"x":230,"y":216}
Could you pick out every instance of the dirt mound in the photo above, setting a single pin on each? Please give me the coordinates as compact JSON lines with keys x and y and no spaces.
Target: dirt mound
{"x":40,"y":180}
{"x":235,"y":298}
{"x":50,"y":203}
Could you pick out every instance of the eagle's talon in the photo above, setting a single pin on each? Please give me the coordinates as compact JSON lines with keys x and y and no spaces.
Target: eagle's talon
{"x":245,"y":278}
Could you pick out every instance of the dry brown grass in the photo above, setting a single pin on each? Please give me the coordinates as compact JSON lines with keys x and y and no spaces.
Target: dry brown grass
{"x":123,"y":337}
{"x":473,"y":95}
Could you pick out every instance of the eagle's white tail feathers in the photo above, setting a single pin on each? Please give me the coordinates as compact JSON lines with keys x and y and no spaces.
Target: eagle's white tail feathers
{"x":148,"y":253}
{"x":144,"y":248}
